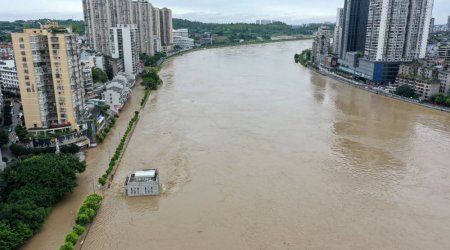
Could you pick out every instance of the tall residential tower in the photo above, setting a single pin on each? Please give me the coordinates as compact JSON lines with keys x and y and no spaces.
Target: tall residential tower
{"x":354,"y":26}
{"x":50,"y":77}
{"x":398,"y":30}
{"x":337,"y":39}
{"x":165,"y":16}
{"x":143,"y":18}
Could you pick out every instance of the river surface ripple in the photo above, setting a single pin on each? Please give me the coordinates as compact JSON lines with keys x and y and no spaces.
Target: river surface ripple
{"x":256,"y":152}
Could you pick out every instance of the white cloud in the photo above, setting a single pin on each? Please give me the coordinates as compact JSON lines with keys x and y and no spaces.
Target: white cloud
{"x":291,"y":11}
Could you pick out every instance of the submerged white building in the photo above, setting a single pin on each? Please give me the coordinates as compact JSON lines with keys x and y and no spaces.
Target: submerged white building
{"x":143,"y":183}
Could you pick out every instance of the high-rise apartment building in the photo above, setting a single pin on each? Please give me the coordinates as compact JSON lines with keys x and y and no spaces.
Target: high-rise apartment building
{"x":121,"y":11}
{"x":143,"y":18}
{"x":321,"y":44}
{"x":398,"y":30}
{"x":354,"y":26}
{"x":100,"y":16}
{"x":98,"y":20}
{"x":50,"y":77}
{"x":165,"y":16}
{"x":337,"y":39}
{"x":125,"y":46}
{"x":448,"y":23}
{"x":432,"y":20}
{"x":156,"y":30}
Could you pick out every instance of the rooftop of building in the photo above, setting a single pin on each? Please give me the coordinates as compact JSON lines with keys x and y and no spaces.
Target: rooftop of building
{"x":146,"y":175}
{"x":7,"y":64}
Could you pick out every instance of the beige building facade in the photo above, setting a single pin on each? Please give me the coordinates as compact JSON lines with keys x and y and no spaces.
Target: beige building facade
{"x":50,"y":77}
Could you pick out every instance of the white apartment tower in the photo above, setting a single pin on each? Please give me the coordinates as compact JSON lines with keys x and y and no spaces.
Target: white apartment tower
{"x":321,"y":44}
{"x":156,"y":30}
{"x":337,"y":38}
{"x":165,"y":17}
{"x":143,"y":18}
{"x":398,"y":30}
{"x":100,"y":16}
{"x":98,"y":21}
{"x":125,"y":46}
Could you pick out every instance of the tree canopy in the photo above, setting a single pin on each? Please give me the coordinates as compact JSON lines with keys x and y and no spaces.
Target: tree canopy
{"x":405,"y":91}
{"x":28,"y":190}
{"x":99,"y":75}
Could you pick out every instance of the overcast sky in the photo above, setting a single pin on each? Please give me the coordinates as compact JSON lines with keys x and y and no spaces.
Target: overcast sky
{"x":223,"y":11}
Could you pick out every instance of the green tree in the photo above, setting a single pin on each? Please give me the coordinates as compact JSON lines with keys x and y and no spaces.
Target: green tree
{"x":83,"y":219}
{"x":67,"y":246}
{"x":22,"y":133}
{"x":79,"y":230}
{"x":72,"y":238}
{"x":4,"y":138}
{"x":99,"y":75}
{"x":28,"y":190}
{"x":405,"y":91}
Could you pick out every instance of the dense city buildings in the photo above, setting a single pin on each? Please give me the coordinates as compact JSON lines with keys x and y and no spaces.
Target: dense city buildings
{"x":443,"y":51}
{"x":50,"y":77}
{"x":321,"y":44}
{"x":425,"y":77}
{"x":354,"y":26}
{"x":143,"y":18}
{"x":6,"y":51}
{"x":154,"y":28}
{"x":118,"y":91}
{"x":8,"y":76}
{"x":379,"y":35}
{"x":338,"y":29}
{"x":125,"y":47}
{"x":165,"y":17}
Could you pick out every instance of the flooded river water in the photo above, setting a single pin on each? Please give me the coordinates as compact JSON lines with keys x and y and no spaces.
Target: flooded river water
{"x":256,"y":152}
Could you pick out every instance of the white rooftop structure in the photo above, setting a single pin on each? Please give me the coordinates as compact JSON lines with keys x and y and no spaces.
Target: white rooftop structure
{"x":143,"y":183}
{"x":146,"y":173}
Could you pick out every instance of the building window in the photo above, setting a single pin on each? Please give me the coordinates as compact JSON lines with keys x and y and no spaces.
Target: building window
{"x":21,"y":39}
{"x":22,"y":46}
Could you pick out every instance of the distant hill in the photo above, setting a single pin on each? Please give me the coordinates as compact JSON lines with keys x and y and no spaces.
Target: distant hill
{"x":221,"y":33}
{"x":236,"y":32}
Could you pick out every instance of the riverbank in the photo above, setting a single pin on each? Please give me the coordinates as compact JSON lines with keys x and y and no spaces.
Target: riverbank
{"x":62,"y":218}
{"x":371,"y":89}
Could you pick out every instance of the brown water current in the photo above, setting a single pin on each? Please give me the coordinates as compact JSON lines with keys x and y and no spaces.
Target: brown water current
{"x":256,"y":152}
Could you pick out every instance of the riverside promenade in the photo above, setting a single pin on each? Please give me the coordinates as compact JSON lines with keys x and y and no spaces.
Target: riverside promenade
{"x":377,"y":91}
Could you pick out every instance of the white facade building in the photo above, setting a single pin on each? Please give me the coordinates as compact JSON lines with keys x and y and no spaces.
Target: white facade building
{"x":8,"y":76}
{"x":181,"y":39}
{"x":124,"y":46}
{"x":143,"y":183}
{"x":143,"y":18}
{"x":398,"y":30}
{"x":118,"y":91}
{"x":337,"y":39}
{"x":321,"y":44}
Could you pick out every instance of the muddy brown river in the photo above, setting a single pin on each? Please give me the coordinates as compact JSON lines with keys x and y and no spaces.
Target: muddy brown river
{"x":256,"y":152}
